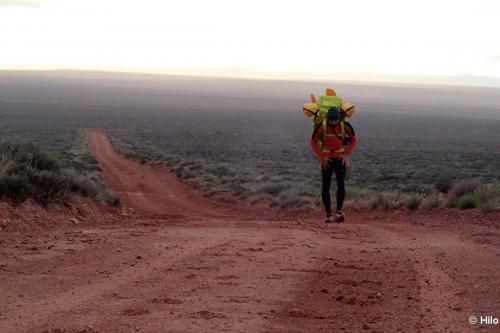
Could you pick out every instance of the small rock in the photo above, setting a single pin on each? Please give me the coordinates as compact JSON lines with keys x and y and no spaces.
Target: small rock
{"x":73,"y":220}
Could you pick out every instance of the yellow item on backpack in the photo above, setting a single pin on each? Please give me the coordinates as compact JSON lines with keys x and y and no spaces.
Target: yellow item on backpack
{"x":320,"y":108}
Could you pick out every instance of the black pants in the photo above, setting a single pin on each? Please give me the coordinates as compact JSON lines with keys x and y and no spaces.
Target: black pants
{"x":334,"y":164}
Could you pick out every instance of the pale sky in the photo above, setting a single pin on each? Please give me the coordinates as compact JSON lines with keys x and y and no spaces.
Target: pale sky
{"x":304,"y":38}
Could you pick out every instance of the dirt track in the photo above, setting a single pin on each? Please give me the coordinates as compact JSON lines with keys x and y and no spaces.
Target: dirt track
{"x":178,"y":262}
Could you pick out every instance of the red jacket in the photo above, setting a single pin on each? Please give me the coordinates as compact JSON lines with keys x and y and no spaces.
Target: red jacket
{"x":333,"y":142}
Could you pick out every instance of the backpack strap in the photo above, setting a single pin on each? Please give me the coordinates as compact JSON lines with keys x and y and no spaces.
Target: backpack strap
{"x":324,"y":125}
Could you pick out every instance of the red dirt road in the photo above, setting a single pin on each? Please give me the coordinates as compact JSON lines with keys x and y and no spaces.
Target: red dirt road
{"x":177,"y":262}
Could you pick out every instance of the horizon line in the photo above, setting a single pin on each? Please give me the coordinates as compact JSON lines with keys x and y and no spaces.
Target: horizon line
{"x":391,"y":79}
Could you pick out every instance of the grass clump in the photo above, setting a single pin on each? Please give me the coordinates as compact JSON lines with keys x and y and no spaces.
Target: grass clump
{"x":26,"y":171}
{"x":443,"y":185}
{"x":109,"y":198}
{"x":387,"y":201}
{"x":464,"y":187}
{"x":413,"y":201}
{"x":467,"y":201}
{"x":431,"y":202}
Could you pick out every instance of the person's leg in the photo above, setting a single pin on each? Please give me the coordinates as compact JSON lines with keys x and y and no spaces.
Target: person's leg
{"x":326,"y":176}
{"x":340,"y":173}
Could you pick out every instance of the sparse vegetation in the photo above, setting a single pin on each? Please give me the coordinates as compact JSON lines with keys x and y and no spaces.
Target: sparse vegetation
{"x":486,"y":198}
{"x":262,"y":154}
{"x":444,"y":184}
{"x":27,"y":171}
{"x":464,"y":187}
{"x":413,"y":201}
{"x":387,"y":200}
{"x":431,"y":202}
{"x":280,"y":161}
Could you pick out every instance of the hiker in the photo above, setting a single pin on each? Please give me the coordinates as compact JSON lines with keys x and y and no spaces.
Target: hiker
{"x":334,"y":150}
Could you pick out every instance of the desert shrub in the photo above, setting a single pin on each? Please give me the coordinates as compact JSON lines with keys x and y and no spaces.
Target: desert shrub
{"x":217,"y":170}
{"x":23,"y":156}
{"x":413,"y":201}
{"x":464,"y":187}
{"x":387,"y":200}
{"x":416,"y":188}
{"x":29,"y":172}
{"x":48,"y":186}
{"x":467,"y":201}
{"x":109,"y":198}
{"x":490,"y":205}
{"x":15,"y":188}
{"x":452,"y":202}
{"x":236,"y":188}
{"x":431,"y":202}
{"x":82,"y":184}
{"x":443,"y":185}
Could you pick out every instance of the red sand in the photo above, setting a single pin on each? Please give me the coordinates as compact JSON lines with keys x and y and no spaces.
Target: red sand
{"x":173,"y":261}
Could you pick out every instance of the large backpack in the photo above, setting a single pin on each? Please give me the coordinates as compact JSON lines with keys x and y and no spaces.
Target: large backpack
{"x":320,"y":109}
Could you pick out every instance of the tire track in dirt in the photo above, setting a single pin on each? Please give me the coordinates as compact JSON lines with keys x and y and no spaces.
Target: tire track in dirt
{"x":25,"y":318}
{"x":224,"y":288}
{"x":405,"y":279}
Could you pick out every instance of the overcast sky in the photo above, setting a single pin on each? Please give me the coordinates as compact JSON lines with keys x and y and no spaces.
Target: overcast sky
{"x":301,"y":38}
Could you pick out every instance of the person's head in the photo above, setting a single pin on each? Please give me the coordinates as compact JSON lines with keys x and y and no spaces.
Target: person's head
{"x":333,"y":115}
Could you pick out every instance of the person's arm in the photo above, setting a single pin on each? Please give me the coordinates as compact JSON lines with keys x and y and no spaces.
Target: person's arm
{"x":353,"y":140}
{"x":314,"y":141}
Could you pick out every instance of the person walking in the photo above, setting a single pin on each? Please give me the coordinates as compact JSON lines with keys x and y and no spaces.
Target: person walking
{"x":333,"y":141}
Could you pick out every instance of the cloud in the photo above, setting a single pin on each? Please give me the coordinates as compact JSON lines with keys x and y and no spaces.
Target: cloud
{"x":19,"y":3}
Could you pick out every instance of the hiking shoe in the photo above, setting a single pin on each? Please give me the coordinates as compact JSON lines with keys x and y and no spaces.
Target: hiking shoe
{"x":328,"y":219}
{"x":339,"y":217}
